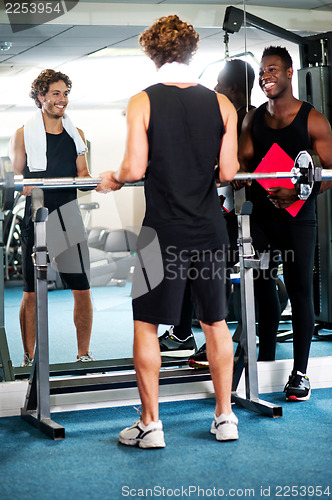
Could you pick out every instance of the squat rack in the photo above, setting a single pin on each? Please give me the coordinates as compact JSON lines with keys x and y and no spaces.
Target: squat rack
{"x":37,"y":405}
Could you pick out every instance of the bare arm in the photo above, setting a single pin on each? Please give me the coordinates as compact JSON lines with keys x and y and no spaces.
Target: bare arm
{"x":81,"y":162}
{"x":17,"y":151}
{"x":246,"y":147}
{"x":135,"y":159}
{"x":18,"y":156}
{"x":321,"y":136}
{"x":228,"y":161}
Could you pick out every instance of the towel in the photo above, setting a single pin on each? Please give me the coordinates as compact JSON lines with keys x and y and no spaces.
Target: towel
{"x":35,"y":141}
{"x":176,"y":73}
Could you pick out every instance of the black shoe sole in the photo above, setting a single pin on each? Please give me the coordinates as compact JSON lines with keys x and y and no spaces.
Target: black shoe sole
{"x":292,"y":398}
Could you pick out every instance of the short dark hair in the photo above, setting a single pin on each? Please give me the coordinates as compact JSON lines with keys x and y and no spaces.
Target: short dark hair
{"x":282,"y":52}
{"x":42,"y":83}
{"x":234,"y":72}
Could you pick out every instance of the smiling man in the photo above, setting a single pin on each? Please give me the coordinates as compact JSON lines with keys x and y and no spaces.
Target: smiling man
{"x":50,"y":146}
{"x":294,"y":126}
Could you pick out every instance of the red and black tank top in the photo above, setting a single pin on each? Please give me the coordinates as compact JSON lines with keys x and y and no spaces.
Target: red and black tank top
{"x":292,"y":139}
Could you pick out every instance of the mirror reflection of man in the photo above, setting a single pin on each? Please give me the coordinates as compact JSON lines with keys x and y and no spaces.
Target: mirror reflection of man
{"x":294,"y":126}
{"x":50,"y":146}
{"x":235,"y":81}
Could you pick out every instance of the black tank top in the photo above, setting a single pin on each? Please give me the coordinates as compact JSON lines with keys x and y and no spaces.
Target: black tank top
{"x":184,"y":135}
{"x":61,"y":162}
{"x":292,"y":139}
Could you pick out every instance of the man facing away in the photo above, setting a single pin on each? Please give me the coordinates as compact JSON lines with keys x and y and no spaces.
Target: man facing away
{"x":293,"y":126}
{"x":50,"y":146}
{"x":176,"y":129}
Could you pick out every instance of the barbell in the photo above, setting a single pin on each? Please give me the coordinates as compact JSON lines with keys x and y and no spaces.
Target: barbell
{"x":306,"y":171}
{"x":9,"y":183}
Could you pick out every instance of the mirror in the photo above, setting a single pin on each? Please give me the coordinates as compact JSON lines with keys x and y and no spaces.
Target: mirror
{"x":102,"y":85}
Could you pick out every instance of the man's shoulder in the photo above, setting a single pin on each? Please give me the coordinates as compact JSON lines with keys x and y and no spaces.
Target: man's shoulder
{"x":17,"y":138}
{"x":155,"y":87}
{"x":19,"y":132}
{"x":318,"y":123}
{"x":138,"y":99}
{"x":313,"y":113}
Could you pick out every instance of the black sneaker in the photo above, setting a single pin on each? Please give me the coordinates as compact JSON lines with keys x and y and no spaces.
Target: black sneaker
{"x":297,"y":387}
{"x":170,"y":345}
{"x":199,"y":360}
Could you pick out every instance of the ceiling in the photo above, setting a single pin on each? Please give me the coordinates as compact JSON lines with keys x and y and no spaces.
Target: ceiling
{"x":293,"y":4}
{"x":66,"y":42}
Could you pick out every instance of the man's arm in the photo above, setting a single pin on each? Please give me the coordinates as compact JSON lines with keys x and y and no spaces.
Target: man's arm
{"x":17,"y":151}
{"x":135,"y":159}
{"x":18,"y":156}
{"x":321,"y":135}
{"x":246,"y":145}
{"x":81,"y":162}
{"x":228,"y":162}
{"x":246,"y":148}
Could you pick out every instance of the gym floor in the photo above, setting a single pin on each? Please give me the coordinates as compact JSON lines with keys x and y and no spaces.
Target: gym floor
{"x":112,"y":330}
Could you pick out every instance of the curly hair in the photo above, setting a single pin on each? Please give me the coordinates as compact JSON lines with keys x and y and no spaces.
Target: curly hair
{"x":169,"y":40}
{"x":42,"y":83}
{"x":282,"y":52}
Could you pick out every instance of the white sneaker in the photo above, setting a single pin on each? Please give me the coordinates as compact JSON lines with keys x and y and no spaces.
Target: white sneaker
{"x":27,"y":360}
{"x":225,"y":427}
{"x":145,"y":436}
{"x":86,"y":357}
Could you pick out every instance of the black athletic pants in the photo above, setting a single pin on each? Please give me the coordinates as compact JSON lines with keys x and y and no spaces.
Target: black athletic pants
{"x":296,"y":241}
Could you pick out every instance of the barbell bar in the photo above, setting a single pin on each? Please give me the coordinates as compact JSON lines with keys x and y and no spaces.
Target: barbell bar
{"x":69,"y":182}
{"x":306,"y":171}
{"x":56,"y":182}
{"x":9,"y":183}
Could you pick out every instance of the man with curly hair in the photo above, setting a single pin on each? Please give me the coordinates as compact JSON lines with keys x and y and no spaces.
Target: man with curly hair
{"x":176,"y":130}
{"x":50,"y":146}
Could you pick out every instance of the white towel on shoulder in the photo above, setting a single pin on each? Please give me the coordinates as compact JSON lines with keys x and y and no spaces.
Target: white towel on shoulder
{"x":35,"y":141}
{"x":175,"y":72}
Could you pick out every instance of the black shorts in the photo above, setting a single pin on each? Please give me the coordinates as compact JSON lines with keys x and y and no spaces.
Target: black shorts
{"x":74,"y":281}
{"x":204,"y":272}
